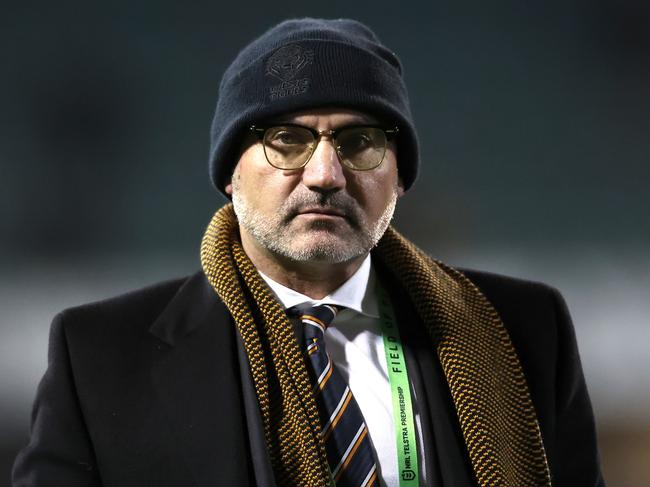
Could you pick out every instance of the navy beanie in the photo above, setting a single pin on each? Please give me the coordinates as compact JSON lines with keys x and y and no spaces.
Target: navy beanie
{"x":311,"y":63}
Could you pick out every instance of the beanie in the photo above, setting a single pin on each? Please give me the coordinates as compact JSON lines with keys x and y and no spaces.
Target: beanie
{"x":311,"y":63}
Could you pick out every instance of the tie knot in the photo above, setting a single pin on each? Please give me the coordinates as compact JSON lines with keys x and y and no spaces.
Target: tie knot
{"x":316,"y":319}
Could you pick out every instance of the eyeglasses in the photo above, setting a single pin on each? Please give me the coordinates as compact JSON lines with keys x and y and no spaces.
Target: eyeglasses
{"x":290,"y":146}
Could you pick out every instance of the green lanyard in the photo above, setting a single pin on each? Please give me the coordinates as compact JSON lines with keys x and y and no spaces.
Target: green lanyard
{"x":403,"y":417}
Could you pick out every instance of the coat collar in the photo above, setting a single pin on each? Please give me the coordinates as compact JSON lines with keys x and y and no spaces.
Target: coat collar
{"x":194,"y":304}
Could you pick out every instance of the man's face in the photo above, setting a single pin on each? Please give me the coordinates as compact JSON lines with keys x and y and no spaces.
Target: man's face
{"x":323,"y":212}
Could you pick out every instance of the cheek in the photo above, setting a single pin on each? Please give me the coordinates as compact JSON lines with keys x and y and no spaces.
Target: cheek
{"x":264,"y":187}
{"x":373,"y":190}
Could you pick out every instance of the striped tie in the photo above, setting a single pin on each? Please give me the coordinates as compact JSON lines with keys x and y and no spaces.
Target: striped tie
{"x":344,"y":432}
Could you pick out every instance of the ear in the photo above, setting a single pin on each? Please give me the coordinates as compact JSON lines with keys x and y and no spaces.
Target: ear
{"x":400,"y":187}
{"x":228,"y":188}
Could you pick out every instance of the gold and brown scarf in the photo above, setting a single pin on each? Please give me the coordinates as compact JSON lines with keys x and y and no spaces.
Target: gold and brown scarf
{"x":481,"y":366}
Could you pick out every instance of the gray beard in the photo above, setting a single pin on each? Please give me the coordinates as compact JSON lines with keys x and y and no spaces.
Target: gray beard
{"x":275,"y":234}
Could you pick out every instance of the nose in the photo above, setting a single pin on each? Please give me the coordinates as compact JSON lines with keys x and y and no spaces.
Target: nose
{"x":324,"y":172}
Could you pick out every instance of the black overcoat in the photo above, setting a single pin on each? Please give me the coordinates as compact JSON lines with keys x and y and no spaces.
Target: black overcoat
{"x":152,"y":389}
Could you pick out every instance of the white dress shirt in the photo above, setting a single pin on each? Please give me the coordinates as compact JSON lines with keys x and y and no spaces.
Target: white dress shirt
{"x":355,"y":344}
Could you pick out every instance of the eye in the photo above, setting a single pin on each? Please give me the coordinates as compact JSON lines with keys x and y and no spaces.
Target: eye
{"x":287,"y":136}
{"x":355,"y":142}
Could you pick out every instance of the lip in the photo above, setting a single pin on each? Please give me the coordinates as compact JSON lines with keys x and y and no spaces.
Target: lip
{"x":318,"y":212}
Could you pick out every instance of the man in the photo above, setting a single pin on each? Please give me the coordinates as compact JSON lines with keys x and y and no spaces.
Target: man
{"x":317,"y":346}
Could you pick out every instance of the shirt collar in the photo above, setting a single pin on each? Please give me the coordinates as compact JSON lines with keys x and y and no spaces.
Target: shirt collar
{"x":357,"y":293}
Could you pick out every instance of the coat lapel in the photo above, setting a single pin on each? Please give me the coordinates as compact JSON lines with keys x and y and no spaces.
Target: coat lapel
{"x":196,"y":372}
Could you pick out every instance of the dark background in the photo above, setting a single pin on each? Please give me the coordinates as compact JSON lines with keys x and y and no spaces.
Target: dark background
{"x":534,"y":120}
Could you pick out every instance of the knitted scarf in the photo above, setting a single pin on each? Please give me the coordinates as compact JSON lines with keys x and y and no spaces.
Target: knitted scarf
{"x":481,"y":366}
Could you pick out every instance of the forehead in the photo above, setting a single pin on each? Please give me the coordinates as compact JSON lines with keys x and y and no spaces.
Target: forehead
{"x":325,"y":117}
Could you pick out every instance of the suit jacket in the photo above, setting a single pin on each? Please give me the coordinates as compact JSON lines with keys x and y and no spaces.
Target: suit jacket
{"x":152,"y":388}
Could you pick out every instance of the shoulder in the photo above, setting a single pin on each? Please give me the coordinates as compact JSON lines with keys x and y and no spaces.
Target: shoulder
{"x":507,"y":289}
{"x":534,"y":313}
{"x":146,"y":301}
{"x":126,"y":315}
{"x":516,"y":298}
{"x":526,"y":307}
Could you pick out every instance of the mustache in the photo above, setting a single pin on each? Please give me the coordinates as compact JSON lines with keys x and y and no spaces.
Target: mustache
{"x":337,"y":201}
